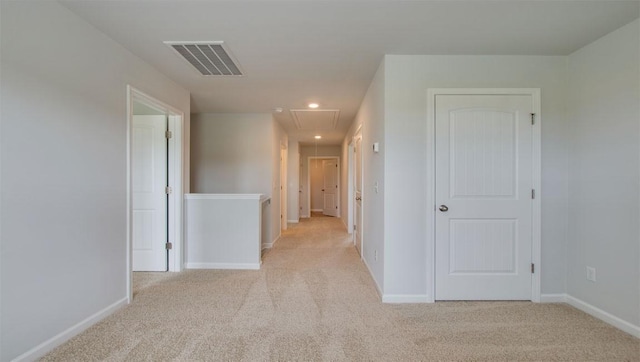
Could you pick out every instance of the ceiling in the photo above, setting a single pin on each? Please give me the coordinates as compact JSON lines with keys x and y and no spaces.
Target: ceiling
{"x":327,"y":51}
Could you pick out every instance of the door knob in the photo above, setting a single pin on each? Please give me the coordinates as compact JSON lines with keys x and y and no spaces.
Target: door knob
{"x":322,"y":189}
{"x":358,"y":198}
{"x":444,"y":208}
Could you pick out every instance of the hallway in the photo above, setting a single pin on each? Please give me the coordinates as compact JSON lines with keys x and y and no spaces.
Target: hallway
{"x":313,"y":299}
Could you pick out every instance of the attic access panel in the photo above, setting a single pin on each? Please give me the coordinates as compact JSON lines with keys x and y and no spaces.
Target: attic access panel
{"x":208,"y":58}
{"x":315,"y":119}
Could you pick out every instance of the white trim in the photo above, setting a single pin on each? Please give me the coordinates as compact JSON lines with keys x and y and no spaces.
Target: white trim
{"x":48,"y":345}
{"x":375,"y":282}
{"x":536,"y":224}
{"x":350,"y":185}
{"x":241,"y":266}
{"x":271,"y":244}
{"x":225,"y":197}
{"x":176,"y":177}
{"x":358,"y":134}
{"x":405,"y":298}
{"x":604,"y":316}
{"x":293,"y":221}
{"x":316,"y":210}
{"x":592,"y":311}
{"x":553,"y":298}
{"x":176,"y":174}
{"x":284,"y":199}
{"x":129,"y":193}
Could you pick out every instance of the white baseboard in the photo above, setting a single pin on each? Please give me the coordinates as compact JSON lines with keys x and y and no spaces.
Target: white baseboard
{"x":593,"y":311}
{"x":604,"y":316}
{"x":316,"y":210}
{"x":242,"y":266}
{"x":405,"y":298}
{"x":293,"y":221}
{"x":48,"y":345}
{"x":553,"y":298}
{"x":375,"y":282}
{"x":271,"y":244}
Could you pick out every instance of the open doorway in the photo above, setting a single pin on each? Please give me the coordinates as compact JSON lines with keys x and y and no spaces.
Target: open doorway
{"x":154,"y":186}
{"x":323,"y":181}
{"x":283,"y":187}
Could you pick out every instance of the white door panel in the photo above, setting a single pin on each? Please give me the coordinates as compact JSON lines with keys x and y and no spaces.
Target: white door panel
{"x":330,"y":187}
{"x":149,"y":178}
{"x":483,"y":196}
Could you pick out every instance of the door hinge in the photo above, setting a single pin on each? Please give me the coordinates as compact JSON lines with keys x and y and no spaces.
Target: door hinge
{"x":168,"y":190}
{"x":168,"y":134}
{"x":533,"y":194}
{"x":336,"y":208}
{"x":354,"y":227}
{"x":533,"y":119}
{"x":533,"y":268}
{"x":168,"y":246}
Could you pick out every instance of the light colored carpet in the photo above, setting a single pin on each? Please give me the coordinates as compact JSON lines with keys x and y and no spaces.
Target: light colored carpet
{"x":314,"y":300}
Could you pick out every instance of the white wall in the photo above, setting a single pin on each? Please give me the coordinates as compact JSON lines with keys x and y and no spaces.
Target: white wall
{"x":231,"y":153}
{"x":604,"y":173}
{"x":407,"y":80}
{"x":370,"y":118}
{"x":63,"y":171}
{"x":305,"y":153}
{"x":238,"y":153}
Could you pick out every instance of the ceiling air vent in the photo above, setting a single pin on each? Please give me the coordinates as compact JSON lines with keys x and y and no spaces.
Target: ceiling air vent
{"x":209,"y":58}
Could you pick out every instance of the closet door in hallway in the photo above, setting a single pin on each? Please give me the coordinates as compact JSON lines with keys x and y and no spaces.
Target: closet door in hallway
{"x":483,"y":197}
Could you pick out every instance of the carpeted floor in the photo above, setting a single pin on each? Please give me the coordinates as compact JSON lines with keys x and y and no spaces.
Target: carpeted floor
{"x":313,"y":300}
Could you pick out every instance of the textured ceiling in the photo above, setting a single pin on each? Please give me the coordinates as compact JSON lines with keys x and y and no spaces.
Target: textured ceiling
{"x":296,"y":52}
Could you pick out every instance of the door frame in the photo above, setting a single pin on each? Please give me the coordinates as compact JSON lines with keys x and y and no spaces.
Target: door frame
{"x":337,"y":158}
{"x":176,"y":166}
{"x":283,"y":186}
{"x":536,"y":182}
{"x":358,"y":134}
{"x":350,"y":185}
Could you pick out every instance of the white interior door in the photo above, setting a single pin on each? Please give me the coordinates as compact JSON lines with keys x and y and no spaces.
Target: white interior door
{"x":357,"y":192}
{"x":330,"y":187}
{"x":483,"y":197}
{"x":149,"y":199}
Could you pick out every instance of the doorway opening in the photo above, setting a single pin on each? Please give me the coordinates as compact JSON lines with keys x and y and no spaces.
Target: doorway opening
{"x":323,"y":183}
{"x":283,"y":186}
{"x":154,"y":185}
{"x":357,"y":179}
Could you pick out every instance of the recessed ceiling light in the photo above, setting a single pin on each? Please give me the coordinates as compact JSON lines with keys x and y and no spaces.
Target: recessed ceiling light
{"x":278,"y":109}
{"x":313,"y":105}
{"x":318,"y":137}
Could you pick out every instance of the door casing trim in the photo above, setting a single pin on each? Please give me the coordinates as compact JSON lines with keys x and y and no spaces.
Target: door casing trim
{"x":176,"y":126}
{"x":309,"y":158}
{"x":536,"y":182}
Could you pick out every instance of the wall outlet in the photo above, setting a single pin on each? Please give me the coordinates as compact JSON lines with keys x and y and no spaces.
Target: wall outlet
{"x":375,"y":255}
{"x":591,"y":274}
